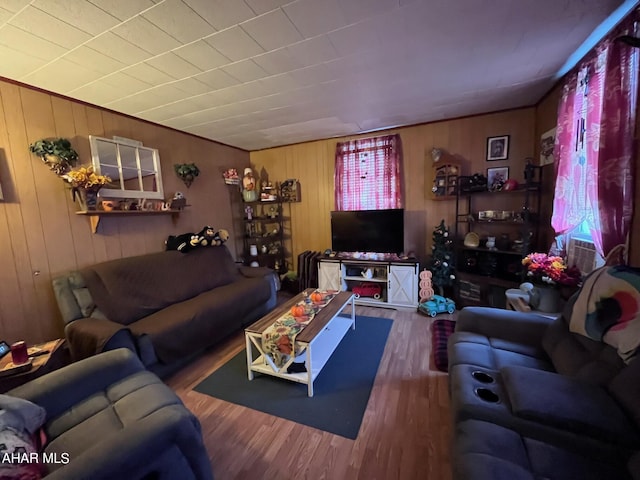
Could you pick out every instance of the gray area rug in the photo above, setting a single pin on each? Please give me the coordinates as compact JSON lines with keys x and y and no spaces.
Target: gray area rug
{"x":341,"y":390}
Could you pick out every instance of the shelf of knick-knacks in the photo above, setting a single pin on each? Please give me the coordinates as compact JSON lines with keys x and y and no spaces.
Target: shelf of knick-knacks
{"x":96,"y":215}
{"x":445,"y":181}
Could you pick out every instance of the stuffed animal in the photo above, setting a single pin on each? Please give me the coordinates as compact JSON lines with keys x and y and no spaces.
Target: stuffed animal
{"x":178,"y":202}
{"x":206,"y":237}
{"x":220,"y":237}
{"x":183,"y":243}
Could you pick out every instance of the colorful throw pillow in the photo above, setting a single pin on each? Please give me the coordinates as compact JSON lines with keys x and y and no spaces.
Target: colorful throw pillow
{"x":608,"y":309}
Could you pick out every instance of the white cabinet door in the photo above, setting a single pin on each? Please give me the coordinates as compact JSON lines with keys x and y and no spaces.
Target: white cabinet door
{"x":329,"y":275}
{"x":403,"y":285}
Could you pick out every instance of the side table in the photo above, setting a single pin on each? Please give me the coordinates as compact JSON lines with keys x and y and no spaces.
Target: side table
{"x":56,"y":357}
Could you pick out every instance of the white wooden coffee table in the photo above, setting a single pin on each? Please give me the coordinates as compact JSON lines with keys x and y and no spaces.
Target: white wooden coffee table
{"x":317,"y":341}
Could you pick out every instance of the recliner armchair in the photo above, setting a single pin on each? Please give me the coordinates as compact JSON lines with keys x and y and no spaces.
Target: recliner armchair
{"x":114,"y":419}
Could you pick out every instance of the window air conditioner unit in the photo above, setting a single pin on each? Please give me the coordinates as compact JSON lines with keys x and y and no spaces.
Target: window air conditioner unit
{"x":582,"y":253}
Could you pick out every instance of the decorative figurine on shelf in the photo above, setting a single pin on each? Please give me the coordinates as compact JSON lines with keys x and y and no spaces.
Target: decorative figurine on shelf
{"x":437,"y":304}
{"x":178,"y":202}
{"x":248,"y":212}
{"x":231,"y":176}
{"x":249,"y":192}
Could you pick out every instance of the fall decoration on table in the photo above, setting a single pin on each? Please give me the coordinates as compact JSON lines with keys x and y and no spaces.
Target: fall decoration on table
{"x":85,"y":185}
{"x":56,"y":153}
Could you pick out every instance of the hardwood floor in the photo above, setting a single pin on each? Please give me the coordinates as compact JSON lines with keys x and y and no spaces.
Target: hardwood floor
{"x":405,"y":432}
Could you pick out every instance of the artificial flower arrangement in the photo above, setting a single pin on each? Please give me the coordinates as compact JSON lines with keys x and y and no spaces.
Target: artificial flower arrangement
{"x":85,"y":177}
{"x":551,"y":270}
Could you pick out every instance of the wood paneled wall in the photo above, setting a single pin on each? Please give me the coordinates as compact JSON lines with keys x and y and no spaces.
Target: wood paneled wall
{"x":465,"y":141}
{"x":40,"y":235}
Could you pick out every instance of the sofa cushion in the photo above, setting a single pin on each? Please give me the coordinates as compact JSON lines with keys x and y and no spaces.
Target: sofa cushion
{"x":185,"y":327}
{"x":608,"y":308}
{"x":568,"y":404}
{"x":493,"y":353}
{"x":129,"y":289}
{"x":484,"y":451}
{"x":579,"y":356}
{"x":106,"y":413}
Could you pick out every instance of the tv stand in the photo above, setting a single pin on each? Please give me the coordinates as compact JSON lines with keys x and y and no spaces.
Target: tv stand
{"x":390,"y":282}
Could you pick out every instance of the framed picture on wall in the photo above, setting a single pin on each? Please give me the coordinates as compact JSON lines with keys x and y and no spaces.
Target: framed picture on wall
{"x":547,"y":142}
{"x":496,"y":177}
{"x":498,"y":148}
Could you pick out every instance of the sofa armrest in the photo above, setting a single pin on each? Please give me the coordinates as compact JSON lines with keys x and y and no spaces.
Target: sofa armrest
{"x":519,"y":327}
{"x":90,"y":336}
{"x":60,"y":390}
{"x":152,"y":437}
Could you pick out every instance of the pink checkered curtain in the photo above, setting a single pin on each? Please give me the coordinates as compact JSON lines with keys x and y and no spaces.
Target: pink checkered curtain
{"x":368,"y":174}
{"x":594,"y":145}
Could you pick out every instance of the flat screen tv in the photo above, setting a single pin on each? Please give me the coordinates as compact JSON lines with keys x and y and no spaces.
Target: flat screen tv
{"x":379,"y":231}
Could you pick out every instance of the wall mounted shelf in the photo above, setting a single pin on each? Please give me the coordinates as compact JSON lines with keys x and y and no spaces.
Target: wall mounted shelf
{"x":96,"y":215}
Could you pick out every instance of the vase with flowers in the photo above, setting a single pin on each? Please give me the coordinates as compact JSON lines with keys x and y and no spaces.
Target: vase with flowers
{"x":549,"y":273}
{"x":85,"y":185}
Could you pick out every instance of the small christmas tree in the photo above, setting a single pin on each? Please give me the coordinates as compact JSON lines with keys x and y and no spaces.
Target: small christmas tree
{"x":441,"y":258}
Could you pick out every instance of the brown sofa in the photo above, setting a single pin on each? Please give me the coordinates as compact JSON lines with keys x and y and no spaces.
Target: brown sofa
{"x":167,"y":306}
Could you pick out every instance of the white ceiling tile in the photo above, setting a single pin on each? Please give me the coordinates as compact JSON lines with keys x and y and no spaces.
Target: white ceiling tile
{"x":16,"y":64}
{"x":15,"y":5}
{"x":357,"y":10}
{"x":118,"y":48}
{"x":179,"y":21}
{"x":234,"y":43}
{"x":126,"y":83}
{"x":312,"y":75}
{"x":356,"y":38}
{"x":62,"y":76}
{"x":146,"y":35}
{"x":272,"y":30}
{"x":79,"y":13}
{"x":32,"y":20}
{"x":221,"y":13}
{"x":170,"y":110}
{"x":28,"y":43}
{"x":174,"y":66}
{"x":216,"y":79}
{"x":135,"y":103}
{"x":167,"y":93}
{"x":192,"y":86}
{"x":5,"y":15}
{"x":314,"y":50}
{"x":277,"y":61}
{"x":202,"y":55}
{"x":123,"y":10}
{"x":313,"y":18}
{"x":245,"y":71}
{"x":97,"y":93}
{"x":94,"y":60}
{"x":264,"y":6}
{"x":148,"y":74}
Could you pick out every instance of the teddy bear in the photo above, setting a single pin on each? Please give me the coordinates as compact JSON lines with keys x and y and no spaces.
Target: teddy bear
{"x":206,"y":237}
{"x":220,"y":237}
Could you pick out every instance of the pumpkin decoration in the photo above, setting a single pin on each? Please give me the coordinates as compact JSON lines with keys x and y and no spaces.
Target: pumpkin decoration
{"x":297,"y":311}
{"x":316,"y":297}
